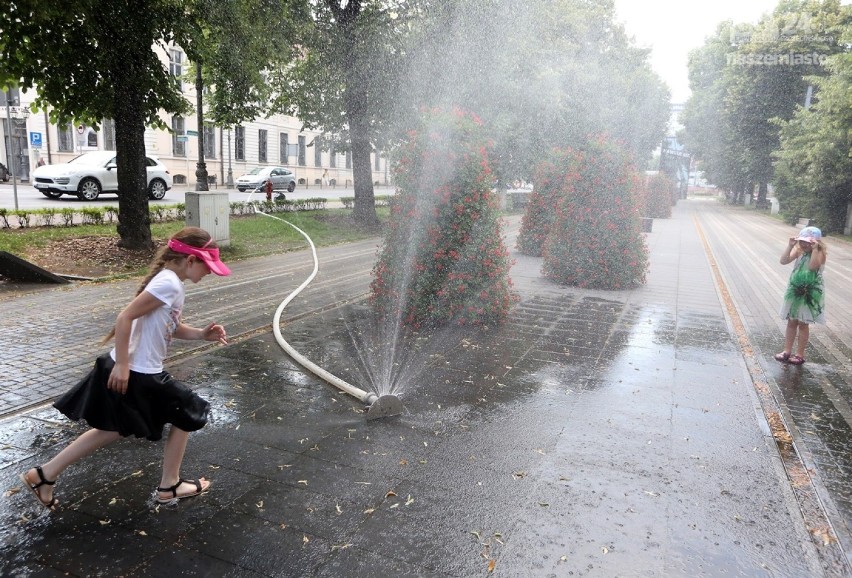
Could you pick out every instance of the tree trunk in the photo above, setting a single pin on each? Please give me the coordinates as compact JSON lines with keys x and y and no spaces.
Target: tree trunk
{"x":362,"y":173}
{"x":134,"y":221}
{"x":762,"y":189}
{"x":357,"y":107}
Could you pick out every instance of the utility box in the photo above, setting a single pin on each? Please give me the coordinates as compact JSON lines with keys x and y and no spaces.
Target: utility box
{"x":210,"y":211}
{"x":774,"y":207}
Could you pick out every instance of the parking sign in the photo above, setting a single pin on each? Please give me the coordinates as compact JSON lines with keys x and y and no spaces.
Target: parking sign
{"x":35,"y":140}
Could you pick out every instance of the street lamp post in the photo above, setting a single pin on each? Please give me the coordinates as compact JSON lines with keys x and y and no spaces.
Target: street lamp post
{"x":10,"y":150}
{"x":201,"y":167}
{"x":230,"y":181}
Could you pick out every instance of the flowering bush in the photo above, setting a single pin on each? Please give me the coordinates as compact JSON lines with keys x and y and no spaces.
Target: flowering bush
{"x":595,"y":239}
{"x":554,"y":179}
{"x":443,"y":259}
{"x":660,"y":192}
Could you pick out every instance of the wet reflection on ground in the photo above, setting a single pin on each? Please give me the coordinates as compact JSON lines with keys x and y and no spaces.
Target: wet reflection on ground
{"x":814,"y":396}
{"x":560,"y":434}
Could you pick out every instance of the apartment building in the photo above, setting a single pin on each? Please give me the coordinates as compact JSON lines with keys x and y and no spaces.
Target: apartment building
{"x":228,"y":151}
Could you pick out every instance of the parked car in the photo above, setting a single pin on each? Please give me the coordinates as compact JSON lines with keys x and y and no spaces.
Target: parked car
{"x":93,"y":173}
{"x":4,"y":173}
{"x":282,"y":178}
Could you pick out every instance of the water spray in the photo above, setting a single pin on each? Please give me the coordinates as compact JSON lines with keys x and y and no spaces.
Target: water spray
{"x":378,"y":406}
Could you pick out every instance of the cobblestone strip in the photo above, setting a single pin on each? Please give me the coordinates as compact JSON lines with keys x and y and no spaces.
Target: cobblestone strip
{"x":50,"y":338}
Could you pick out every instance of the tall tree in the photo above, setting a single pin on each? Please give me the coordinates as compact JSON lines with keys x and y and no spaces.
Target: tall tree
{"x":747,"y":79}
{"x":813,"y":171}
{"x":94,"y":59}
{"x":345,"y":81}
{"x":709,"y":131}
{"x":240,"y":42}
{"x":540,"y":74}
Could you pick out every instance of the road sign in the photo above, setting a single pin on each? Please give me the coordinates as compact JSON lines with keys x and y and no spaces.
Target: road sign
{"x":35,"y":140}
{"x":81,"y":129}
{"x":192,"y":133}
{"x":182,"y":138}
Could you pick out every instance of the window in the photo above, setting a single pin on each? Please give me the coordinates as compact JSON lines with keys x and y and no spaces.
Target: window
{"x":178,"y":136}
{"x":283,"y":143}
{"x":92,"y":139}
{"x":66,"y":137}
{"x":175,"y":62}
{"x":348,"y":159}
{"x":302,"y":151}
{"x":332,"y":157}
{"x":240,"y":143}
{"x":318,"y":152}
{"x":209,"y":141}
{"x":109,"y":134}
{"x":261,"y":145}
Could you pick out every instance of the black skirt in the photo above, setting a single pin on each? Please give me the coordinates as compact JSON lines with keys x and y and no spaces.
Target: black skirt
{"x":151,"y":401}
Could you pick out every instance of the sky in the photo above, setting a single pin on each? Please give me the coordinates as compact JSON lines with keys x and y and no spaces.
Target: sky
{"x":673,"y":27}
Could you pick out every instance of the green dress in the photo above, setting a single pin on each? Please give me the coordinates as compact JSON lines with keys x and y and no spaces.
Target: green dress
{"x":804,"y":299}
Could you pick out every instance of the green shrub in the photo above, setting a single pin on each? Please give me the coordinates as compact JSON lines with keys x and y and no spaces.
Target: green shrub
{"x":23,"y":216}
{"x":554,"y":178}
{"x":48,"y":214}
{"x":111,"y":214}
{"x":4,"y":215}
{"x":67,"y":214}
{"x":92,"y":215}
{"x":315,"y":203}
{"x":595,"y":239}
{"x":180,"y":211}
{"x":443,"y":260}
{"x":348,"y":202}
{"x":660,"y":191}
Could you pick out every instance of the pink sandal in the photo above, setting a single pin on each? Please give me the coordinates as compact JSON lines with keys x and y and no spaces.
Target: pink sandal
{"x":796,"y":360}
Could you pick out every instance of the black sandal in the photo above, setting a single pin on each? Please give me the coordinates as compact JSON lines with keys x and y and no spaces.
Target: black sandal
{"x":173,"y":490}
{"x":33,"y":488}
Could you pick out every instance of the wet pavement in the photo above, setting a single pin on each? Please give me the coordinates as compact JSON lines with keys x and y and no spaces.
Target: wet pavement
{"x":595,"y":433}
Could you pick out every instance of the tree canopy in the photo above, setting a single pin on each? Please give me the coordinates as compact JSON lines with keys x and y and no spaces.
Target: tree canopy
{"x":748,"y":81}
{"x":93,"y":60}
{"x":814,"y":160}
{"x":540,"y":74}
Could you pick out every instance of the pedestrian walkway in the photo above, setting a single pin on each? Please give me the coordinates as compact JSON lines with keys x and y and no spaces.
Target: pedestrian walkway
{"x":596,"y":433}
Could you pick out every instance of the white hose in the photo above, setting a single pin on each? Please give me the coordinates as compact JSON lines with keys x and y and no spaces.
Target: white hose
{"x":366,"y":397}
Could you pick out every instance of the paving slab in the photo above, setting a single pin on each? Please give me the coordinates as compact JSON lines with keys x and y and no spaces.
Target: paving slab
{"x":594,"y":434}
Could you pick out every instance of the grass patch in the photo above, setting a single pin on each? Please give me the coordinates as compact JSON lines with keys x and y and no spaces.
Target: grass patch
{"x":250,"y":236}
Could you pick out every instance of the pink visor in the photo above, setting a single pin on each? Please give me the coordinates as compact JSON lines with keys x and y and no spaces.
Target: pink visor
{"x":210,"y":256}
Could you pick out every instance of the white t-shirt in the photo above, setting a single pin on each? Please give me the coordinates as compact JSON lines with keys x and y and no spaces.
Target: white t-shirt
{"x":151,"y":335}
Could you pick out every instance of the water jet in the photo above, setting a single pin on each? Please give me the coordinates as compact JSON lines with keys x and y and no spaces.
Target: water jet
{"x":378,"y":406}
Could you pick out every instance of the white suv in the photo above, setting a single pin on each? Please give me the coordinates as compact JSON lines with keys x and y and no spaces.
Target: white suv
{"x":93,"y":173}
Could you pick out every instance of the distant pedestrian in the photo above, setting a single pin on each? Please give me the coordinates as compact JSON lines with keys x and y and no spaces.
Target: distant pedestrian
{"x":325,"y":180}
{"x":804,"y":300}
{"x":128,"y":392}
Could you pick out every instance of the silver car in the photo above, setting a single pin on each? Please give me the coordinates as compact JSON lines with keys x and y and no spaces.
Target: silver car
{"x":282,"y":178}
{"x":93,"y":173}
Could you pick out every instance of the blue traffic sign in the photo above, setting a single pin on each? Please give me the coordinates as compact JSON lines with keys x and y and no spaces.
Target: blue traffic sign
{"x":35,"y":139}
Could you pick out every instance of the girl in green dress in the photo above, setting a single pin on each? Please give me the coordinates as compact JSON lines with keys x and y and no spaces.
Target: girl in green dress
{"x":804,"y":300}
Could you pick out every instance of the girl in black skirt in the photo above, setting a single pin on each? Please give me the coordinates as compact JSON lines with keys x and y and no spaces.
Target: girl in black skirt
{"x":127,"y":392}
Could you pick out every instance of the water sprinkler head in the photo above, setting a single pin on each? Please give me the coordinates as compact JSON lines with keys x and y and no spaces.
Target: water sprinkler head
{"x":384,"y":406}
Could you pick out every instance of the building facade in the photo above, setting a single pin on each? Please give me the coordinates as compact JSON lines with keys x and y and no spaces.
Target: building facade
{"x":228,"y":151}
